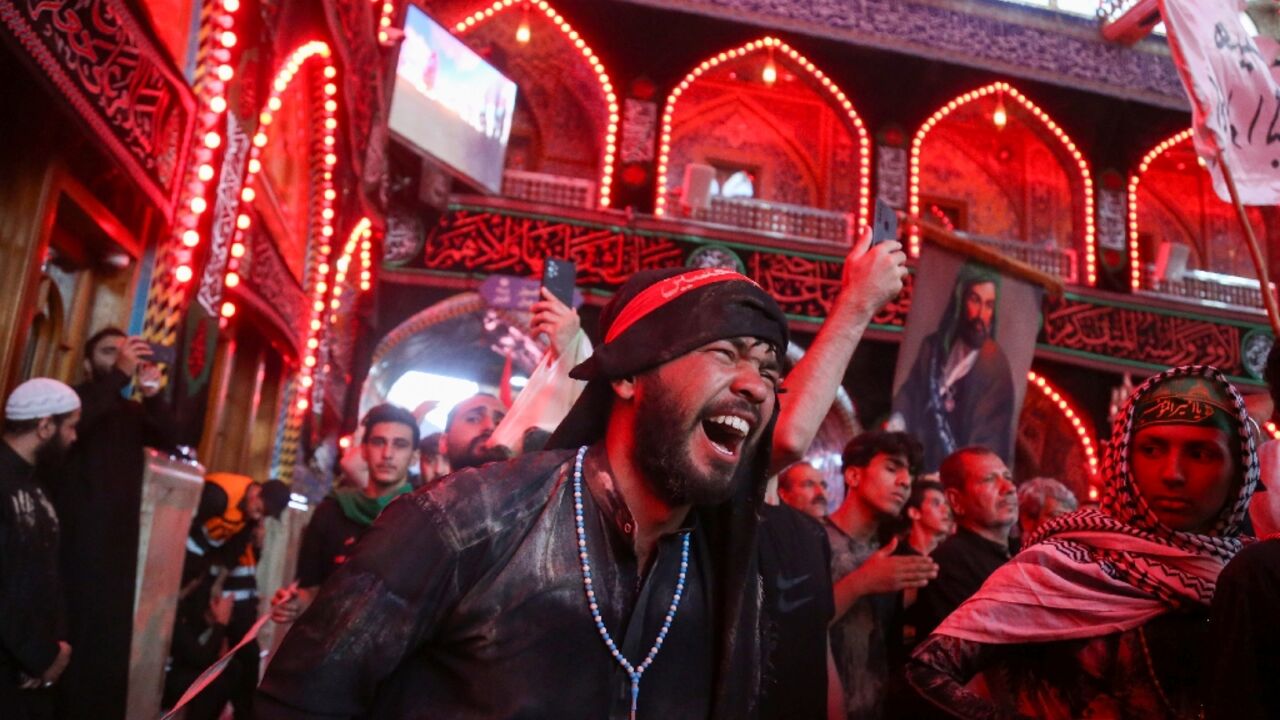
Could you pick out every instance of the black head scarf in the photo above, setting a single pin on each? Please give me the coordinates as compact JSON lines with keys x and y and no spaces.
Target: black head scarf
{"x":657,"y":316}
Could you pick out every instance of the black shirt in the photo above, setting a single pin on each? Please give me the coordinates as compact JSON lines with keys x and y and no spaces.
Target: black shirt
{"x":327,"y":543}
{"x":99,"y":504}
{"x":465,"y":600}
{"x":965,"y":561}
{"x":798,"y":606}
{"x":31,"y":621}
{"x":1245,"y":627}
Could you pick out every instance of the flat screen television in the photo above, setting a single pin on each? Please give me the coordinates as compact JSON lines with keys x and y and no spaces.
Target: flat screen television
{"x":450,"y":104}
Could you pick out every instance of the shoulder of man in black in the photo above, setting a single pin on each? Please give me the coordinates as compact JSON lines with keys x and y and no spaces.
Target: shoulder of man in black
{"x":425,"y":550}
{"x":1245,"y":619}
{"x":795,"y":570}
{"x":473,"y":501}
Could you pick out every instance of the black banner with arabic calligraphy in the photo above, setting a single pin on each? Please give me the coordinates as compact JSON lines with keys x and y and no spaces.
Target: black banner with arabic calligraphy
{"x":106,"y":65}
{"x":1101,"y":329}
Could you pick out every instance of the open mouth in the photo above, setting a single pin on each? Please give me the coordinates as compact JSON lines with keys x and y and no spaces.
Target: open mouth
{"x":727,"y":433}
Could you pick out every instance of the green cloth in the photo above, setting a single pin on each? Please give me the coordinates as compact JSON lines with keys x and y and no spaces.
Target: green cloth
{"x":363,"y":509}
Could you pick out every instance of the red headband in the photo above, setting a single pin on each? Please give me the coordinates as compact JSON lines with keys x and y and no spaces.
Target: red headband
{"x":664,"y":291}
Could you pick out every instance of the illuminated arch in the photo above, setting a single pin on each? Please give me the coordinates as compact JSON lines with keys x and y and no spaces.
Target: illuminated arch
{"x":841,"y":100}
{"x":322,"y":212}
{"x":1135,"y":259}
{"x":606,"y":86}
{"x":1086,"y":180}
{"x":1055,"y":396}
{"x":361,"y":236}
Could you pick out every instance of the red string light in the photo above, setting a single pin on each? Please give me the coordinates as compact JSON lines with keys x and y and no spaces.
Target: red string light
{"x":606,"y":86}
{"x":1272,"y":429}
{"x":1006,"y":90}
{"x":770,"y":45}
{"x":322,"y":211}
{"x":359,"y":238}
{"x":217,"y":37}
{"x":1135,"y":257}
{"x":385,"y":9}
{"x":1057,"y":398}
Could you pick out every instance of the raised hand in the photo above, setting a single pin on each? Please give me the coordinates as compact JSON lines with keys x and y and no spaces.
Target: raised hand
{"x":558,"y":321}
{"x":873,"y":275}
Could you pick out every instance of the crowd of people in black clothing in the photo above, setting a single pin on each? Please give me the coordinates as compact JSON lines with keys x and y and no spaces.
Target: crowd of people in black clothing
{"x":622,"y":560}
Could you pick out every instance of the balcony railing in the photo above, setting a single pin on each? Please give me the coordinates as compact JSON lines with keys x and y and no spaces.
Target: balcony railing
{"x":549,"y":189}
{"x":1232,"y":290}
{"x":1057,"y":261}
{"x":794,"y":221}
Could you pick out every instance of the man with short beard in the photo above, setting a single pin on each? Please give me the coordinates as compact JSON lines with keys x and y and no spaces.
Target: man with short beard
{"x":960,"y":391}
{"x":613,"y":575}
{"x":99,"y":502}
{"x":467,"y":431}
{"x":40,"y":419}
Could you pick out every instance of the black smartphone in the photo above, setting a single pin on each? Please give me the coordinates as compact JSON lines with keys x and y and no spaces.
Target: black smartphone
{"x":162,"y":353}
{"x":885,"y":224}
{"x":559,"y":276}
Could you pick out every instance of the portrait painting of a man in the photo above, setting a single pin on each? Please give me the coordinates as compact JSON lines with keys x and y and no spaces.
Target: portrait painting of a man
{"x":959,"y":388}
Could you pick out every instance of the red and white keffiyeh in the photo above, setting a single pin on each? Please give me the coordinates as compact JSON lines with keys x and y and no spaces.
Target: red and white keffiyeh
{"x":1096,"y":572}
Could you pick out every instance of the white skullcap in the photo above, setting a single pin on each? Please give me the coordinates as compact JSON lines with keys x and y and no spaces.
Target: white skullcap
{"x":40,"y":397}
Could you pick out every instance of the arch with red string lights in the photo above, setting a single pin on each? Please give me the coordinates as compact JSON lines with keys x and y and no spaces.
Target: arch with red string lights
{"x":1088,"y":443}
{"x":541,"y":8}
{"x":1135,"y":260}
{"x":1084,"y":231}
{"x":322,"y":204}
{"x":775,"y":49}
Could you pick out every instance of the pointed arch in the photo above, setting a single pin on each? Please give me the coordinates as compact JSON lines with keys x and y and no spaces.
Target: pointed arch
{"x":606,"y":85}
{"x":324,"y":159}
{"x":1135,"y":256}
{"x":789,"y":54}
{"x":1083,"y":176}
{"x":1087,"y":441}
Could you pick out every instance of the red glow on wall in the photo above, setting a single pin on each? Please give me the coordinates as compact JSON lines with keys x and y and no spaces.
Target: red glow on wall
{"x":1135,"y":260}
{"x":1087,"y":442}
{"x":1005,"y":91}
{"x":322,"y":209}
{"x":606,"y":85}
{"x":777,"y":49}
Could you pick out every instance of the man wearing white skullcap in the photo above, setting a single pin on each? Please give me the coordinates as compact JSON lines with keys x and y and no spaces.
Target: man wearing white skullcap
{"x":40,"y":418}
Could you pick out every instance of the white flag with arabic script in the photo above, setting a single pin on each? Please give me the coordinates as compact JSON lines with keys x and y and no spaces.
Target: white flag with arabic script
{"x":1232,"y":81}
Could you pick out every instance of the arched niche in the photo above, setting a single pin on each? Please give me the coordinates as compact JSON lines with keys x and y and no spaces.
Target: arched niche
{"x":1055,"y":441}
{"x":992,"y":163}
{"x":566,"y":111}
{"x":798,"y":137}
{"x":1171,"y":199}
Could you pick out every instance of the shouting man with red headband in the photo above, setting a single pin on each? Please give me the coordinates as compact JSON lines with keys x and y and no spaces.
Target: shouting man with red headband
{"x":611,"y":576}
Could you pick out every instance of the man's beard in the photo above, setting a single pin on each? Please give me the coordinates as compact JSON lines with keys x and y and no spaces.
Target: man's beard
{"x":51,"y":455}
{"x":664,"y":457}
{"x":973,"y":333}
{"x":477,"y":454}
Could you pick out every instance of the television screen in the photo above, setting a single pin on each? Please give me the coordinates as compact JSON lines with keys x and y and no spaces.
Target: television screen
{"x":449,"y":103}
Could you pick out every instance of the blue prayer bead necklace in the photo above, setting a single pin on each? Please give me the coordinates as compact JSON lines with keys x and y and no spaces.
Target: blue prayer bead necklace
{"x":633,"y":671}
